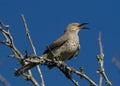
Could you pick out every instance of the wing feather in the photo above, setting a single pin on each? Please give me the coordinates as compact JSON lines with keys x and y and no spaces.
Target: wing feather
{"x":59,"y":42}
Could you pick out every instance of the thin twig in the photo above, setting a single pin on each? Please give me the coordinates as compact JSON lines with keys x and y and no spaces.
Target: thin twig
{"x":9,"y":41}
{"x":100,"y":58}
{"x":116,"y":62}
{"x":28,"y":34}
{"x":33,"y":48}
{"x":33,"y":79}
{"x":4,"y":81}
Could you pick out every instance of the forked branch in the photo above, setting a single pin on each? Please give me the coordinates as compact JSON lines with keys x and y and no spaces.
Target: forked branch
{"x":100,"y":58}
{"x":8,"y":41}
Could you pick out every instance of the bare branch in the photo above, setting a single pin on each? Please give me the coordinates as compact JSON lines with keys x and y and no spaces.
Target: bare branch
{"x":100,"y":58}
{"x":32,"y":78}
{"x":4,"y":29}
{"x":33,"y":60}
{"x":61,"y":65}
{"x":68,"y":71}
{"x":28,"y":34}
{"x":33,"y":48}
{"x":4,"y":81}
{"x":100,"y":45}
{"x":116,"y":62}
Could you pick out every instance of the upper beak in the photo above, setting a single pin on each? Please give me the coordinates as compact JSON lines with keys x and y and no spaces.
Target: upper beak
{"x":83,"y":25}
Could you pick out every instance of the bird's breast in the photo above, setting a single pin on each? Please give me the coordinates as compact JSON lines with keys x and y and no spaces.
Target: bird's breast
{"x":72,"y":45}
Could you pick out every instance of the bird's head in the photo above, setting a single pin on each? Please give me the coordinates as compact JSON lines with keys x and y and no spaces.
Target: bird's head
{"x":75,"y":27}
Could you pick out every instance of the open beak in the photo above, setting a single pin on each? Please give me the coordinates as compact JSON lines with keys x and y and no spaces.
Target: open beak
{"x":81,"y":25}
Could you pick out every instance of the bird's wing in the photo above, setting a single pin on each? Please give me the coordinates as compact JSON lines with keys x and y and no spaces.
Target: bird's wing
{"x":59,"y":42}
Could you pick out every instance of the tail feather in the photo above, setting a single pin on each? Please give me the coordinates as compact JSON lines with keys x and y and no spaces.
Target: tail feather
{"x":25,"y":68}
{"x":28,"y":66}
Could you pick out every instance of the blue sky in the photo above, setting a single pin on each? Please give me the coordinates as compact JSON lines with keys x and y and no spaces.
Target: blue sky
{"x":47,"y":20}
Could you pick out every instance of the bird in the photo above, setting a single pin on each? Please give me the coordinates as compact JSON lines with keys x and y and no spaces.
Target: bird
{"x":64,"y":48}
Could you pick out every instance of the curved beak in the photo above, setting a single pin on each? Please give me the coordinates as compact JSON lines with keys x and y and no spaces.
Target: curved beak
{"x":83,"y":25}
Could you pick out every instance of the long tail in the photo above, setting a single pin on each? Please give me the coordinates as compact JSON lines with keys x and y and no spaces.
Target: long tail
{"x":28,"y":66}
{"x":24,"y":68}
